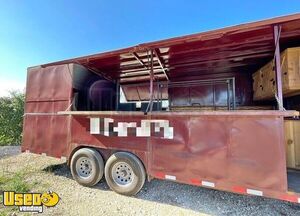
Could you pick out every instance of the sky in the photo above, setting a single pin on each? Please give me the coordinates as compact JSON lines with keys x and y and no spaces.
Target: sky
{"x":33,"y":32}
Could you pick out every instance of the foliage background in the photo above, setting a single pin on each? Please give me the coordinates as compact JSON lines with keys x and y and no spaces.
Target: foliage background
{"x":11,"y":118}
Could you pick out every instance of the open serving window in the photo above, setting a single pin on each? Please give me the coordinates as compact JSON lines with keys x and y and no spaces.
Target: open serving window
{"x":216,"y":70}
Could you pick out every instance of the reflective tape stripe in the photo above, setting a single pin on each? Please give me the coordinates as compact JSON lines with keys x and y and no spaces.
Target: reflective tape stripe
{"x":44,"y":154}
{"x":165,"y":176}
{"x":195,"y":182}
{"x":298,"y":200}
{"x":254,"y":192}
{"x":239,"y":189}
{"x":212,"y":184}
{"x":160,"y":175}
{"x":208,"y":184}
{"x":289,"y":197}
{"x":170,"y":177}
{"x":27,"y":151}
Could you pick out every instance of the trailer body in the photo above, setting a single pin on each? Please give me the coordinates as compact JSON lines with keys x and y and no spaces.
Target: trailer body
{"x":241,"y":151}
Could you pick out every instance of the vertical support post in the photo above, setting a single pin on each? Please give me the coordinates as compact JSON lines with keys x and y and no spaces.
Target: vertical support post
{"x":228,"y":95}
{"x":151,"y":82}
{"x":117,"y":95}
{"x":276,"y":36}
{"x":150,"y":105}
{"x":214,"y":95}
{"x":233,"y":93}
{"x":160,"y":97}
{"x":157,"y":96}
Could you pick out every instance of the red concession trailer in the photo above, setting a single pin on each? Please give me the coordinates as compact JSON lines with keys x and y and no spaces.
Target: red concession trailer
{"x":180,"y":109}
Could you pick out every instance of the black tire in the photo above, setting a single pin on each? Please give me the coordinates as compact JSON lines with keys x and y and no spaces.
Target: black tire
{"x":133,"y":173}
{"x":87,"y":166}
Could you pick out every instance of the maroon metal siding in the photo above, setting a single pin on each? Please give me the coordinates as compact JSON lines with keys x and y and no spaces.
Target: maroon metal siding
{"x":48,"y":91}
{"x":80,"y":137}
{"x":48,"y":84}
{"x":238,"y":150}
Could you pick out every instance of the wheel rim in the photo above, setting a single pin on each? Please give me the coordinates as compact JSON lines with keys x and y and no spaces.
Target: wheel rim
{"x":84,"y":167}
{"x":122,"y":174}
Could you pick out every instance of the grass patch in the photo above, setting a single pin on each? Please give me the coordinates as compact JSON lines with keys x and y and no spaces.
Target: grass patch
{"x":14,"y":182}
{"x":9,"y":211}
{"x":3,"y":180}
{"x":18,"y":184}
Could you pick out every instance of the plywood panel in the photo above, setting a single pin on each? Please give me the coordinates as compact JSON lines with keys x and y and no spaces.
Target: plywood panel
{"x":264,"y":80}
{"x":289,"y":143}
{"x":292,"y":141}
{"x":297,"y":142}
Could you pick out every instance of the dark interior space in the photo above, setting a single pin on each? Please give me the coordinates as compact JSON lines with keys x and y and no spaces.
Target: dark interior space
{"x":91,"y":92}
{"x":293,"y":180}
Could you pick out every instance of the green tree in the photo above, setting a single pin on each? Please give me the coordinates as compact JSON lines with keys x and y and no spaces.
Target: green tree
{"x":11,"y":118}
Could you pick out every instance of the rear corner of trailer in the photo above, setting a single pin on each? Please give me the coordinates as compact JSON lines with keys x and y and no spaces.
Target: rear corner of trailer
{"x":48,"y":90}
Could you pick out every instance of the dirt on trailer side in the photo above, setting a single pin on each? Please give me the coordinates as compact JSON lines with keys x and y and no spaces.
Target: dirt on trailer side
{"x":156,"y":198}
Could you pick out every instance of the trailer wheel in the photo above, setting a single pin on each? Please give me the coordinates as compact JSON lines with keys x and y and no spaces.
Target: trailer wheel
{"x":125,"y":173}
{"x":87,"y":166}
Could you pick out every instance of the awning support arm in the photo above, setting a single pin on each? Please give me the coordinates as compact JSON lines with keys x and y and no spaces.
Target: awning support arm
{"x":161,"y":64}
{"x":279,"y":95}
{"x":140,"y":61}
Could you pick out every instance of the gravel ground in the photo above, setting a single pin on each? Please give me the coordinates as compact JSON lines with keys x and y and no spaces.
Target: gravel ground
{"x":156,"y":198}
{"x":6,"y":151}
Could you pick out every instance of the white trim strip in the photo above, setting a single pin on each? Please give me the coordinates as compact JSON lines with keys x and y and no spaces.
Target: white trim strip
{"x":170,"y":177}
{"x":254,"y":192}
{"x":208,"y":184}
{"x":298,"y":200}
{"x":27,"y":151}
{"x":44,"y":154}
{"x":64,"y":159}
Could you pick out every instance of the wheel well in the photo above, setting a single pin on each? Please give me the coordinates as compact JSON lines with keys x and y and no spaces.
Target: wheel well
{"x":84,"y":146}
{"x":72,"y":153}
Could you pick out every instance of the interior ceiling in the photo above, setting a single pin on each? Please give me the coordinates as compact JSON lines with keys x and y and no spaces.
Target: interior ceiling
{"x":242,"y":48}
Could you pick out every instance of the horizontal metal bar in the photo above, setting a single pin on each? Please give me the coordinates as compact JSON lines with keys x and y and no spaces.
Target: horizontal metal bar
{"x":41,"y":114}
